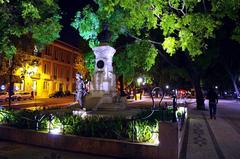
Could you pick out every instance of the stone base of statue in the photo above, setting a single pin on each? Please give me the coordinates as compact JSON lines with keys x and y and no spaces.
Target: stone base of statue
{"x":111,"y":103}
{"x":103,"y":84}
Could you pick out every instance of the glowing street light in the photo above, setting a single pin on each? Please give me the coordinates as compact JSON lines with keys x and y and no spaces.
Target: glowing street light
{"x":139,"y":80}
{"x":3,"y":87}
{"x":167,"y":86}
{"x":216,"y":87}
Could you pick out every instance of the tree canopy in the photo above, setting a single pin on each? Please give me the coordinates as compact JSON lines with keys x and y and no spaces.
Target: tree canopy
{"x":37,"y":21}
{"x":131,"y":66}
{"x":184,"y":27}
{"x":185,"y":24}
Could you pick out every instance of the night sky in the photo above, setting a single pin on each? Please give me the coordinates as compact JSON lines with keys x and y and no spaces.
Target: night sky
{"x":68,"y":11}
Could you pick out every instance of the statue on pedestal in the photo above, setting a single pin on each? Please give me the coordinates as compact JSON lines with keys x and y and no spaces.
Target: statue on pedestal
{"x":80,"y":90}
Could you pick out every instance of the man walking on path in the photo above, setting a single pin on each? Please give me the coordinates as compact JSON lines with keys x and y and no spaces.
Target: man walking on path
{"x":213,"y":100}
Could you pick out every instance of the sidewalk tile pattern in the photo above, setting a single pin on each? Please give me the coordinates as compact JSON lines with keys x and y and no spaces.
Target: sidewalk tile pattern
{"x":200,"y":145}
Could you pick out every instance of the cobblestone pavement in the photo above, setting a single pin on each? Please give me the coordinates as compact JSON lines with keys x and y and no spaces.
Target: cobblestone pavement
{"x":214,"y":139}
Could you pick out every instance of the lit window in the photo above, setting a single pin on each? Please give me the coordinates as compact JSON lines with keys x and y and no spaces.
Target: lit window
{"x":45,"y":85}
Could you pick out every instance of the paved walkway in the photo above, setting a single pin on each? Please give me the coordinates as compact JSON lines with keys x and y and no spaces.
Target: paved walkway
{"x":213,"y":139}
{"x":9,"y":150}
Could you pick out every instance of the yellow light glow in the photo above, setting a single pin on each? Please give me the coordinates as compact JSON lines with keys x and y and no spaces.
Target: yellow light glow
{"x":35,"y":69}
{"x":16,"y":88}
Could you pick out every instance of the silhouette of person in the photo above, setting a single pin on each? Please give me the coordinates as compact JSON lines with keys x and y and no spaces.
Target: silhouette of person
{"x":80,"y":89}
{"x":213,"y":100}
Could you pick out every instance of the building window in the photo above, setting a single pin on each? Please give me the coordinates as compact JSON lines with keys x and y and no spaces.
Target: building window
{"x":63,"y":56}
{"x":46,"y":68}
{"x":55,"y":71}
{"x":59,"y":56}
{"x":45,"y":85}
{"x":63,"y":73}
{"x":68,"y":75}
{"x":54,"y":86}
{"x":55,"y":54}
{"x":48,"y":50}
{"x":69,"y":58}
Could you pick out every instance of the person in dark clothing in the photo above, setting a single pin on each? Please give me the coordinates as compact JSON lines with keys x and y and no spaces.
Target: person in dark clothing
{"x":213,"y":100}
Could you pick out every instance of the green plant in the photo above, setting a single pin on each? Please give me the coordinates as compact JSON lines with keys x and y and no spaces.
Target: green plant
{"x":6,"y":116}
{"x":142,"y":130}
{"x":91,"y":126}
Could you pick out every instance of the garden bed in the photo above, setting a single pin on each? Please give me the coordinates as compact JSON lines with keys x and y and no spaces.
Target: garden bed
{"x":97,"y":146}
{"x":146,"y":138}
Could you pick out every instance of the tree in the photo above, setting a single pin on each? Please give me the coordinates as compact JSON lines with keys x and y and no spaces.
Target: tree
{"x":131,"y":66}
{"x":185,"y":25}
{"x":79,"y":65}
{"x":229,"y":60}
{"x":9,"y":67}
{"x":90,"y":62}
{"x":24,"y":23}
{"x":33,"y":20}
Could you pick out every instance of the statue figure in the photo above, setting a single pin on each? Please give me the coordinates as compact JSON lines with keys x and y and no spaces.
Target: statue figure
{"x":80,"y":89}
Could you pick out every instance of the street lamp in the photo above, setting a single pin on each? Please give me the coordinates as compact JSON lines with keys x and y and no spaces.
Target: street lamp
{"x":3,"y":87}
{"x":27,"y":71}
{"x":167,"y":86}
{"x":139,"y":80}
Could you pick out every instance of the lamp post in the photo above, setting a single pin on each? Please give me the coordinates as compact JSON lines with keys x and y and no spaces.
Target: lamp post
{"x":139,"y":81}
{"x":28,"y":71}
{"x":174,"y":108}
{"x":167,"y":86}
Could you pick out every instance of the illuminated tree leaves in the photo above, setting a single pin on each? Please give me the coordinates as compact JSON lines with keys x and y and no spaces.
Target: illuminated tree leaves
{"x":37,"y":21}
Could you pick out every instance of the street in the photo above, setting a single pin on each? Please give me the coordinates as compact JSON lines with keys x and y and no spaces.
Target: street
{"x":229,"y":110}
{"x":41,"y":102}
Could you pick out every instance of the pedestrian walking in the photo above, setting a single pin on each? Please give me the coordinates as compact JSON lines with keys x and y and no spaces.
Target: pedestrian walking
{"x":213,"y":100}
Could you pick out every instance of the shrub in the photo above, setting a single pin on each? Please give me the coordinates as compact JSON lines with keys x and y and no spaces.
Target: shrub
{"x":139,"y":130}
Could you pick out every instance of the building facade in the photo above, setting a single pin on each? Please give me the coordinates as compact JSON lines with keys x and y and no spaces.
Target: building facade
{"x":54,"y":71}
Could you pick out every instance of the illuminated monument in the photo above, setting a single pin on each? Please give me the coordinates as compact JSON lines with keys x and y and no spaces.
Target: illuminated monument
{"x":103,"y":84}
{"x":104,"y":80}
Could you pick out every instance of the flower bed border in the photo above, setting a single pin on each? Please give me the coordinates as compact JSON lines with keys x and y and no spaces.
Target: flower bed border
{"x":168,"y":148}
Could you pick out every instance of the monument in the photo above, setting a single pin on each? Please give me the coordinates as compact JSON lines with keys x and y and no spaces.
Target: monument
{"x":103,"y":84}
{"x":104,"y":80}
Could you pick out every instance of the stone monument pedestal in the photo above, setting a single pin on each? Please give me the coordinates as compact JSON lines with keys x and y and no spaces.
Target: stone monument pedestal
{"x":103,"y":84}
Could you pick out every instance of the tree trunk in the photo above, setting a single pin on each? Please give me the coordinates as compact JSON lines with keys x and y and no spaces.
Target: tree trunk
{"x":10,"y":89}
{"x":199,"y":95}
{"x":198,"y":91}
{"x":121,"y":86}
{"x":234,"y":78}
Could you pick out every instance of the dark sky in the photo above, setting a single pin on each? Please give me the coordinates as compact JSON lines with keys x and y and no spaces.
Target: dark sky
{"x":68,"y":11}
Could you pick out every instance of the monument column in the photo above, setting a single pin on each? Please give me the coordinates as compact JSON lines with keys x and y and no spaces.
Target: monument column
{"x":104,"y":80}
{"x":103,"y":84}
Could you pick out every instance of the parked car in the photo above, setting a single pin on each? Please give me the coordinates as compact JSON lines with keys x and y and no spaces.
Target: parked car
{"x":4,"y":96}
{"x":67,"y":93}
{"x":56,"y":94}
{"x":22,"y":96}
